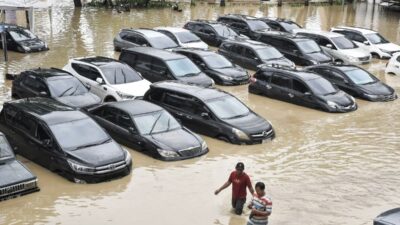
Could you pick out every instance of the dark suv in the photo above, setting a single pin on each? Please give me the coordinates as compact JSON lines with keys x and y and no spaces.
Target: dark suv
{"x":16,"y":179}
{"x":251,"y":54}
{"x":22,"y":40}
{"x":302,"y":88}
{"x":356,"y":81}
{"x":246,"y":25}
{"x":216,"y":66}
{"x":279,"y":24}
{"x":63,"y":140}
{"x":158,"y":65}
{"x":212,"y":32}
{"x":53,"y":83}
{"x":301,"y":50}
{"x":211,"y":112}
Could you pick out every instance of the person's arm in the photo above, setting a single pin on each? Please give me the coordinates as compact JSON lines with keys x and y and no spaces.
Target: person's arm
{"x":250,"y":187}
{"x":260,"y":213}
{"x":223,"y":187}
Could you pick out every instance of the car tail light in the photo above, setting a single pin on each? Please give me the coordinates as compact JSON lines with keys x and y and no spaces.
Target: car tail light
{"x":253,"y":80}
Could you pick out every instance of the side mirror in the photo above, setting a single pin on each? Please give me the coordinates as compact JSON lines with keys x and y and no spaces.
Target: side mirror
{"x":47,"y":143}
{"x":203,"y":65}
{"x":205,"y":115}
{"x":329,"y":46}
{"x":99,"y":80}
{"x":132,"y":130}
{"x":366,"y":43}
{"x":43,"y":94}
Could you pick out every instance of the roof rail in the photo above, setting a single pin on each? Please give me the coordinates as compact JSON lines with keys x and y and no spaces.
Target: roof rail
{"x":206,"y":21}
{"x":277,"y":66}
{"x":242,"y":16}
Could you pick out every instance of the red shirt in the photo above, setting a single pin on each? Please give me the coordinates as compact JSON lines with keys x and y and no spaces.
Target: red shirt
{"x":239,"y":184}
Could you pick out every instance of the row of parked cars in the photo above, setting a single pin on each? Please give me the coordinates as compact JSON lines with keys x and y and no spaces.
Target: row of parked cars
{"x":160,"y":94}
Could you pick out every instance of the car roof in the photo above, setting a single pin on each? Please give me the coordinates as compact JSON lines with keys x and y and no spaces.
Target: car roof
{"x":199,"y":92}
{"x":97,"y":60}
{"x":147,"y":32}
{"x":302,"y":74}
{"x":135,"y":107}
{"x":172,"y":29}
{"x":240,"y":16}
{"x":277,"y":19}
{"x":249,"y":43}
{"x":197,"y":51}
{"x":48,"y":110}
{"x":342,"y":67}
{"x":358,"y":29}
{"x":209,"y":22}
{"x":322,"y":33}
{"x":47,"y":72}
{"x":286,"y":35}
{"x":159,"y":53}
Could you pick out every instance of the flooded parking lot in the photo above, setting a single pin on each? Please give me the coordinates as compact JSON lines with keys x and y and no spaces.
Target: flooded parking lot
{"x":321,"y":169}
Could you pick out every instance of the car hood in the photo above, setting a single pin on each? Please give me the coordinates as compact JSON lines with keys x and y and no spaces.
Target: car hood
{"x":201,"y":79}
{"x":320,"y":57}
{"x":98,"y":155}
{"x":282,"y":61}
{"x":174,"y":140}
{"x":12,"y":172}
{"x":137,"y":88}
{"x":251,"y":123}
{"x":355,"y":52}
{"x":231,"y":72}
{"x":389,"y":47}
{"x":377,"y":88}
{"x":80,"y":101}
{"x":33,"y":43}
{"x":340,"y":98}
{"x":199,"y":44}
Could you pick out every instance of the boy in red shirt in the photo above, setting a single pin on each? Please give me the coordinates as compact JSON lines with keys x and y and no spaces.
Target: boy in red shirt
{"x":240,"y":181}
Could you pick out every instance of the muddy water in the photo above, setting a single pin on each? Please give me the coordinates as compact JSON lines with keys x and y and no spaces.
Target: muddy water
{"x":321,"y":169}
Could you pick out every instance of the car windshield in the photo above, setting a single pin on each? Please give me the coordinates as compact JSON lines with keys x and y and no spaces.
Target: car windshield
{"x":225,"y":31}
{"x":343,"y":43}
{"x":78,"y":134}
{"x":290,"y":26}
{"x":321,"y":86}
{"x":5,"y":149}
{"x":183,"y":67}
{"x":216,"y":61}
{"x":309,"y":46}
{"x":256,"y":25}
{"x":187,"y":37}
{"x":376,"y":38}
{"x":359,"y":76}
{"x":156,"y":122}
{"x":65,"y":86}
{"x":162,"y":42}
{"x":22,"y":35}
{"x":227,"y":107}
{"x":120,"y":73}
{"x":269,"y":53}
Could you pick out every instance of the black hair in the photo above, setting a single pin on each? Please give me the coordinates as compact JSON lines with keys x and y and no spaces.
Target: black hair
{"x":260,"y":185}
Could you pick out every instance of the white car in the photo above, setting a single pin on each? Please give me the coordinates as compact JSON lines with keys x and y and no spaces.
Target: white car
{"x":108,"y":78}
{"x":393,"y":66}
{"x":370,"y":40}
{"x":183,"y":37}
{"x":338,"y":46}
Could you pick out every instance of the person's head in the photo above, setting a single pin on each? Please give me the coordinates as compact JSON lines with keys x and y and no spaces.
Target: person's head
{"x":260,"y":188}
{"x":239,"y":168}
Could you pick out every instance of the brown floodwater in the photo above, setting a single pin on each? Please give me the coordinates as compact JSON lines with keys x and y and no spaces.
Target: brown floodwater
{"x":321,"y":169}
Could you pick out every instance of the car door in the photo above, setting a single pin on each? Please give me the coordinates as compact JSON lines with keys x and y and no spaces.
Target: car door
{"x":236,"y":55}
{"x":202,"y":118}
{"x":16,"y":136}
{"x":324,"y":43}
{"x":32,"y":86}
{"x":88,"y":75}
{"x":208,"y":34}
{"x":241,"y":27}
{"x":263,"y":82}
{"x":250,"y":58}
{"x":301,"y":94}
{"x":25,"y":125}
{"x":280,"y":87}
{"x":129,"y":40}
{"x":160,"y":70}
{"x":360,"y":41}
{"x":142,"y":64}
{"x":127,"y":131}
{"x":340,"y":80}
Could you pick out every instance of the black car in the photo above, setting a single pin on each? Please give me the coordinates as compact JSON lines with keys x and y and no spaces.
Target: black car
{"x":212,"y":32}
{"x":356,"y":82}
{"x":301,"y":50}
{"x":22,"y":40}
{"x":246,"y":25}
{"x":158,"y":65}
{"x":56,"y":84}
{"x":150,"y":129}
{"x":390,"y":217}
{"x":279,"y":24}
{"x":216,"y":66}
{"x":211,"y":112}
{"x":63,"y":140}
{"x":251,"y":54}
{"x":302,"y":88}
{"x":16,"y":179}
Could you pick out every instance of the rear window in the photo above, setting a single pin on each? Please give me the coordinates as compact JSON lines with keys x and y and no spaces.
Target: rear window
{"x":120,"y":73}
{"x":5,"y":149}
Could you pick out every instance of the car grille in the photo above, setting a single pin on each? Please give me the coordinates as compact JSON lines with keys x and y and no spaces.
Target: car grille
{"x":364,"y":58}
{"x":190,"y":151}
{"x":262,"y":135}
{"x":388,"y":97}
{"x":17,"y":188}
{"x":110,"y":167}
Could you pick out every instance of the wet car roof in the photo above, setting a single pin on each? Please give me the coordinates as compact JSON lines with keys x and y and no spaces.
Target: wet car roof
{"x":163,"y":54}
{"x":199,"y":52}
{"x":49,"y":72}
{"x":135,"y":107}
{"x":250,"y":43}
{"x":98,"y":60}
{"x":199,"y":92}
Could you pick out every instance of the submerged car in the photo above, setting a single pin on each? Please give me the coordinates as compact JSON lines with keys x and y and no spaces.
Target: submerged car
{"x":159,"y":65}
{"x":356,"y":82}
{"x":108,"y":78}
{"x":246,"y":25}
{"x":63,"y":140}
{"x":150,"y":129}
{"x":390,"y":217}
{"x":16,"y":180}
{"x":251,"y":54}
{"x":216,"y":66}
{"x":211,"y":112}
{"x":279,"y":24}
{"x":184,"y":38}
{"x":301,"y":88}
{"x":22,"y":40}
{"x":56,"y":84}
{"x":393,"y":66}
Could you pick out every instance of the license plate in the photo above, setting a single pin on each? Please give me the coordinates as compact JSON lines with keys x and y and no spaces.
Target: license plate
{"x":266,"y":140}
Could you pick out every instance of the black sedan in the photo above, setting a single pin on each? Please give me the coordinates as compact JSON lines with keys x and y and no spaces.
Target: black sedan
{"x":150,"y":129}
{"x":56,"y":84}
{"x":16,"y":179}
{"x":356,"y":82}
{"x":216,"y":66}
{"x":22,"y":40}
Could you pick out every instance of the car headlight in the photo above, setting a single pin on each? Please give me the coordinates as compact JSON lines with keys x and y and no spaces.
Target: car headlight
{"x":167,"y":153}
{"x":352,"y":59}
{"x":203,"y":146}
{"x":332,"y":104}
{"x":372,"y":96}
{"x":240,"y":134}
{"x":128,"y":158}
{"x":125,"y":96}
{"x":80,"y":168}
{"x":352,"y":98}
{"x":26,"y":48}
{"x":226,"y":77}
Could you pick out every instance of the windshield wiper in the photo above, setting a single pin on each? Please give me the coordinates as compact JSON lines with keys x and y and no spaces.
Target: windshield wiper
{"x":191,"y":74}
{"x":93,"y":144}
{"x":237,"y":116}
{"x":76,"y":88}
{"x":155,"y":123}
{"x":62,"y":94}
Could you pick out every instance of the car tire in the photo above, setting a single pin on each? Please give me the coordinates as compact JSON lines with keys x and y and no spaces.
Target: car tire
{"x":376,"y":56}
{"x":110,"y":99}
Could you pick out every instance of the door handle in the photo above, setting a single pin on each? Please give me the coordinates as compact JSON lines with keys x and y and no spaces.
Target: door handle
{"x":291,"y":95}
{"x":189,"y":117}
{"x":268,"y":86}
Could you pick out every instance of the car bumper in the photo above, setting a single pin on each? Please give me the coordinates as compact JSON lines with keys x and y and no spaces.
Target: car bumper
{"x":96,"y":178}
{"x":343,"y":109}
{"x":234,"y":82}
{"x":171,"y":159}
{"x":255,"y":139}
{"x":382,"y":98}
{"x":9,"y":194}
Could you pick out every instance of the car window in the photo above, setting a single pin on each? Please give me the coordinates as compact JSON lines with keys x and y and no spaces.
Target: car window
{"x":207,"y":30}
{"x":119,"y":73}
{"x":227,"y":107}
{"x":155,"y":122}
{"x":124,"y":120}
{"x":299,"y":87}
{"x":376,"y":38}
{"x":269,"y":53}
{"x":170,"y":35}
{"x":360,"y":77}
{"x":65,"y":86}
{"x":324,"y":42}
{"x":237,"y":49}
{"x":281,"y":81}
{"x":187,"y":37}
{"x":249,"y":53}
{"x":162,"y":42}
{"x":129,"y":37}
{"x":183,"y":67}
{"x":159,"y":66}
{"x":290,"y":26}
{"x":331,"y":74}
{"x":225,"y":31}
{"x":256,"y":25}
{"x":321,"y":86}
{"x":10,"y":115}
{"x":5,"y":150}
{"x":34,"y":84}
{"x":25,"y":123}
{"x":196,"y":27}
{"x":42,"y":134}
{"x":288,"y":46}
{"x":263,"y":76}
{"x":181,"y":102}
{"x":109,"y":113}
{"x":358,"y":38}
{"x":86,"y":71}
{"x":142,"y":41}
{"x":239,"y":25}
{"x":217,"y":61}
{"x":343,"y":43}
{"x":143,"y":62}
{"x":308,"y":46}
{"x":398,"y":58}
{"x":274,"y":25}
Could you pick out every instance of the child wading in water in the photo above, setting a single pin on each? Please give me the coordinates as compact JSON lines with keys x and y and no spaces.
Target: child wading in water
{"x":261,"y":206}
